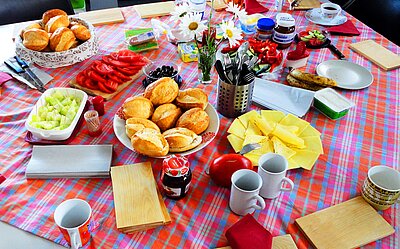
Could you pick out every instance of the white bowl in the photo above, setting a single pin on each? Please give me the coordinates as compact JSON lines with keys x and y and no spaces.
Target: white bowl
{"x":64,"y":58}
{"x":56,"y":134}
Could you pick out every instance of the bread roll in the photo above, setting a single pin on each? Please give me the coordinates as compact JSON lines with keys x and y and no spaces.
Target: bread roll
{"x":32,"y":26}
{"x":81,"y":32}
{"x":181,"y":139}
{"x":62,"y":39}
{"x":35,"y":39}
{"x":195,"y":119}
{"x":133,"y":125}
{"x":137,"y":107}
{"x":162,"y":91}
{"x":52,"y":13}
{"x":191,"y":98}
{"x":166,"y":115}
{"x":150,"y":142}
{"x":312,"y":79}
{"x":56,"y":22}
{"x":297,"y":83}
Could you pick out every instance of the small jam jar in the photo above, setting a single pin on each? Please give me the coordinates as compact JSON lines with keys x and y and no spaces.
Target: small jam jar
{"x":265,"y":29}
{"x":284,"y":31}
{"x":176,"y":176}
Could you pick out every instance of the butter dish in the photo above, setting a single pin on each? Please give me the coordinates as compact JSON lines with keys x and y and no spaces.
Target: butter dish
{"x":331,"y":103}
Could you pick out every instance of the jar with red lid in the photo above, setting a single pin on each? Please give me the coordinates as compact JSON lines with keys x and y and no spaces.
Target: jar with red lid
{"x":284,"y":31}
{"x":176,"y":176}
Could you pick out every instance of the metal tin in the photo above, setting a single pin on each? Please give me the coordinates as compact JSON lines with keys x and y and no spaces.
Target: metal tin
{"x":176,"y":176}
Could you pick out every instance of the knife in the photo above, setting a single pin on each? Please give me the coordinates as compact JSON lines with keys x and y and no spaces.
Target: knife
{"x":37,"y":82}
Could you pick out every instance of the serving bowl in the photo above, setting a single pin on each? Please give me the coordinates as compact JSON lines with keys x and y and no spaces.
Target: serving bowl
{"x":150,"y":71}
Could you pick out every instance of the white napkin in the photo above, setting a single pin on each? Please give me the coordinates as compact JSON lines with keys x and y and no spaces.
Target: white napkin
{"x":281,"y":97}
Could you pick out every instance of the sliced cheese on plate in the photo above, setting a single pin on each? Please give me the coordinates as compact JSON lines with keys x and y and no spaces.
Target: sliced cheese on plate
{"x":237,"y":128}
{"x":236,"y":142}
{"x":272,"y":116}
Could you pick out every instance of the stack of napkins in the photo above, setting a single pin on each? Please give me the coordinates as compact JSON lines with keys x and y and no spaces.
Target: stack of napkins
{"x":70,"y":161}
{"x":281,"y":97}
{"x":138,"y":203}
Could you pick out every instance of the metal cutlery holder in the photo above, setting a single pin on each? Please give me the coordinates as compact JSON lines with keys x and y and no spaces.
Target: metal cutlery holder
{"x":234,"y":100}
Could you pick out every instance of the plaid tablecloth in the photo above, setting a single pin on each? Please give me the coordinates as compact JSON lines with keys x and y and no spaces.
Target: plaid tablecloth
{"x":367,"y":136}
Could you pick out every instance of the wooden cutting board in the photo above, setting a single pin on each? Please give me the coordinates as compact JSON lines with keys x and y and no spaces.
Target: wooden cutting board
{"x":378,"y":54}
{"x":307,"y":4}
{"x":154,"y":9}
{"x":278,"y":242}
{"x":138,"y":203}
{"x":106,"y":96}
{"x":350,"y":224}
{"x":100,"y":17}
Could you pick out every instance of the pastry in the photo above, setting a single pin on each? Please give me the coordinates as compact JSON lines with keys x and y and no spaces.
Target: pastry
{"x":52,"y":13}
{"x":32,"y":26}
{"x":56,"y":22}
{"x":150,"y":142}
{"x":181,"y":139}
{"x":195,"y":119}
{"x":162,"y":91}
{"x":81,"y":32}
{"x":35,"y":39}
{"x":166,"y":115}
{"x":137,"y":107}
{"x":191,"y":98}
{"x":312,"y":79}
{"x":133,"y":125}
{"x":297,"y":83}
{"x":62,"y":39}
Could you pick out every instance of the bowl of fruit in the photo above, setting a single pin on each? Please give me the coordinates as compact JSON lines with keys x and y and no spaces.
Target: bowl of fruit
{"x":158,"y":69}
{"x":56,"y":113}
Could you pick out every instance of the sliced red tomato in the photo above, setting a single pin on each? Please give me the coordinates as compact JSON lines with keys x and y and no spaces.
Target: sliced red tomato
{"x":122,"y":76}
{"x":102,"y":68}
{"x":95,"y":76}
{"x":80,"y":78}
{"x":111,"y":85}
{"x":114,"y":55}
{"x":128,"y":71}
{"x":91,"y":84}
{"x":115,"y":78}
{"x":103,"y":88}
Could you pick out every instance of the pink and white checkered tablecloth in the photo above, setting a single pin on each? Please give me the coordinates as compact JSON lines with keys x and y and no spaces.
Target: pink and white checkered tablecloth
{"x":367,"y":136}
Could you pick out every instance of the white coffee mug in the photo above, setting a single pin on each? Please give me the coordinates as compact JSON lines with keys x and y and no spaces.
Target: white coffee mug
{"x":245,"y":187}
{"x":72,"y":218}
{"x":330,"y":11}
{"x":272,"y":168}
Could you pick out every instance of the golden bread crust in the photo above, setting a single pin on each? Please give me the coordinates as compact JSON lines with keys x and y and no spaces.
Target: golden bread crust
{"x":56,"y":22}
{"x":62,"y":39}
{"x":162,"y":91}
{"x":137,"y":107}
{"x":181,"y":139}
{"x":166,"y":115}
{"x":35,"y":39}
{"x":133,"y":125}
{"x":195,"y":119}
{"x":52,"y":13}
{"x":150,"y":142}
{"x":81,"y":32}
{"x":192,"y":98}
{"x":312,"y":79}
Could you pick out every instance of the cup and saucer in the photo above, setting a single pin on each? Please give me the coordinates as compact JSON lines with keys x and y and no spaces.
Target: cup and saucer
{"x":328,"y":15}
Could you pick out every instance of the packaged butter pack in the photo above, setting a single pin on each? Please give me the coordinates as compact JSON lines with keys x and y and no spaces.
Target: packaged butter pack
{"x":188,"y":51}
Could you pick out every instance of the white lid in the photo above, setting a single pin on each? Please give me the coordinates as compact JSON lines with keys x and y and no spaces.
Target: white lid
{"x":333,"y":100}
{"x":285,"y":20}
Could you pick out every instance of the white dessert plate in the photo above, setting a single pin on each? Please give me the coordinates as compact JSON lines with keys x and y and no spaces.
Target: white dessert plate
{"x":207,"y":136}
{"x":347,"y":74}
{"x":315,"y":16}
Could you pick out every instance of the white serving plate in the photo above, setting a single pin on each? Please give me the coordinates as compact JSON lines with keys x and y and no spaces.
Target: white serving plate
{"x":207,"y":136}
{"x":347,"y":74}
{"x":56,"y":134}
{"x":315,"y":16}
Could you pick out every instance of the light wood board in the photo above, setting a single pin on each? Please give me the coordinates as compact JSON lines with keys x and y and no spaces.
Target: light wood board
{"x":307,"y":4}
{"x":138,"y":204}
{"x":378,"y":54}
{"x":154,"y":9}
{"x":106,"y":96}
{"x":350,"y":224}
{"x":100,"y":17}
{"x":278,"y":242}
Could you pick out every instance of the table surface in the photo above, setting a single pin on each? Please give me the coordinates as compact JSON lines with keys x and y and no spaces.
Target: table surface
{"x":367,"y":136}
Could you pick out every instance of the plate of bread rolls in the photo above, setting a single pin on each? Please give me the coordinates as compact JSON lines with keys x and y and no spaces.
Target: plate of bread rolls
{"x":165,"y":120}
{"x":57,"y":40}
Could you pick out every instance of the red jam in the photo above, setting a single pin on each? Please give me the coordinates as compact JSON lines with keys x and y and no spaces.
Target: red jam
{"x":176,"y":176}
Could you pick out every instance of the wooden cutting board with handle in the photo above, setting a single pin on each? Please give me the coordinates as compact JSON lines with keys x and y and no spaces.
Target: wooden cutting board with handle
{"x":378,"y":54}
{"x":350,"y":224}
{"x":307,"y":4}
{"x":100,"y":17}
{"x":278,"y":242}
{"x":154,"y":9}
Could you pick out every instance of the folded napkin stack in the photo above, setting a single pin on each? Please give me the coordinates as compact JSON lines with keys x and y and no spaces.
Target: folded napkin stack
{"x":346,"y":28}
{"x":247,"y":233}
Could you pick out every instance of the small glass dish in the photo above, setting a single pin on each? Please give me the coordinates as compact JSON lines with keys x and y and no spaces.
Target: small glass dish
{"x":160,"y":68}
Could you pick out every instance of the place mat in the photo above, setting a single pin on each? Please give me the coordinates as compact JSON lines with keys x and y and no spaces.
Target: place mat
{"x":154,"y":9}
{"x":138,"y":203}
{"x":307,"y":4}
{"x":378,"y":54}
{"x":100,"y":17}
{"x":278,"y":242}
{"x":30,"y":138}
{"x":350,"y":224}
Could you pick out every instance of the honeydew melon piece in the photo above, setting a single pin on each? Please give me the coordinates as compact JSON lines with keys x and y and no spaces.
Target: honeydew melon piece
{"x":281,"y":148}
{"x":236,"y":142}
{"x":237,"y":128}
{"x":245,"y":118}
{"x":272,"y":116}
{"x":287,"y":137}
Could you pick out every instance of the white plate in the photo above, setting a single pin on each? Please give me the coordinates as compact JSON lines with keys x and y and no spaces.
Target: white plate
{"x":207,"y":136}
{"x":347,"y":74}
{"x":315,"y":16}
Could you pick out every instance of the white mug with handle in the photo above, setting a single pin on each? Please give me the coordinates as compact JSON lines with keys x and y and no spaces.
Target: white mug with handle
{"x":272,"y":168}
{"x":244,"y":198}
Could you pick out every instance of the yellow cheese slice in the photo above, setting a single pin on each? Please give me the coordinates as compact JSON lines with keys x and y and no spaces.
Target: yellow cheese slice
{"x":281,"y":148}
{"x":305,"y":158}
{"x":266,"y":147}
{"x":314,"y":144}
{"x":310,"y":131}
{"x":252,"y":129}
{"x":253,"y":158}
{"x":245,"y":118}
{"x":254,"y":139}
{"x":292,"y":120}
{"x":265,"y":126}
{"x":287,"y":137}
{"x":272,"y":116}
{"x":291,"y":128}
{"x":236,"y":142}
{"x":237,"y":128}
{"x":292,"y":164}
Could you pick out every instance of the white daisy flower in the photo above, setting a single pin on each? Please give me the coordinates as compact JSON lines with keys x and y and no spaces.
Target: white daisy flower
{"x":179,"y":11}
{"x":191,"y":25}
{"x":236,"y":10}
{"x":231,"y":33}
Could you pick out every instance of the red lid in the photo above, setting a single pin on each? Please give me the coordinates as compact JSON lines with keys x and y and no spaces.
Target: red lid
{"x":175,"y":166}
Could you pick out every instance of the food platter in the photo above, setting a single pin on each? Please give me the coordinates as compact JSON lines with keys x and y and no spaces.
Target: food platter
{"x":207,"y":136}
{"x":315,"y":16}
{"x":348,"y":75}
